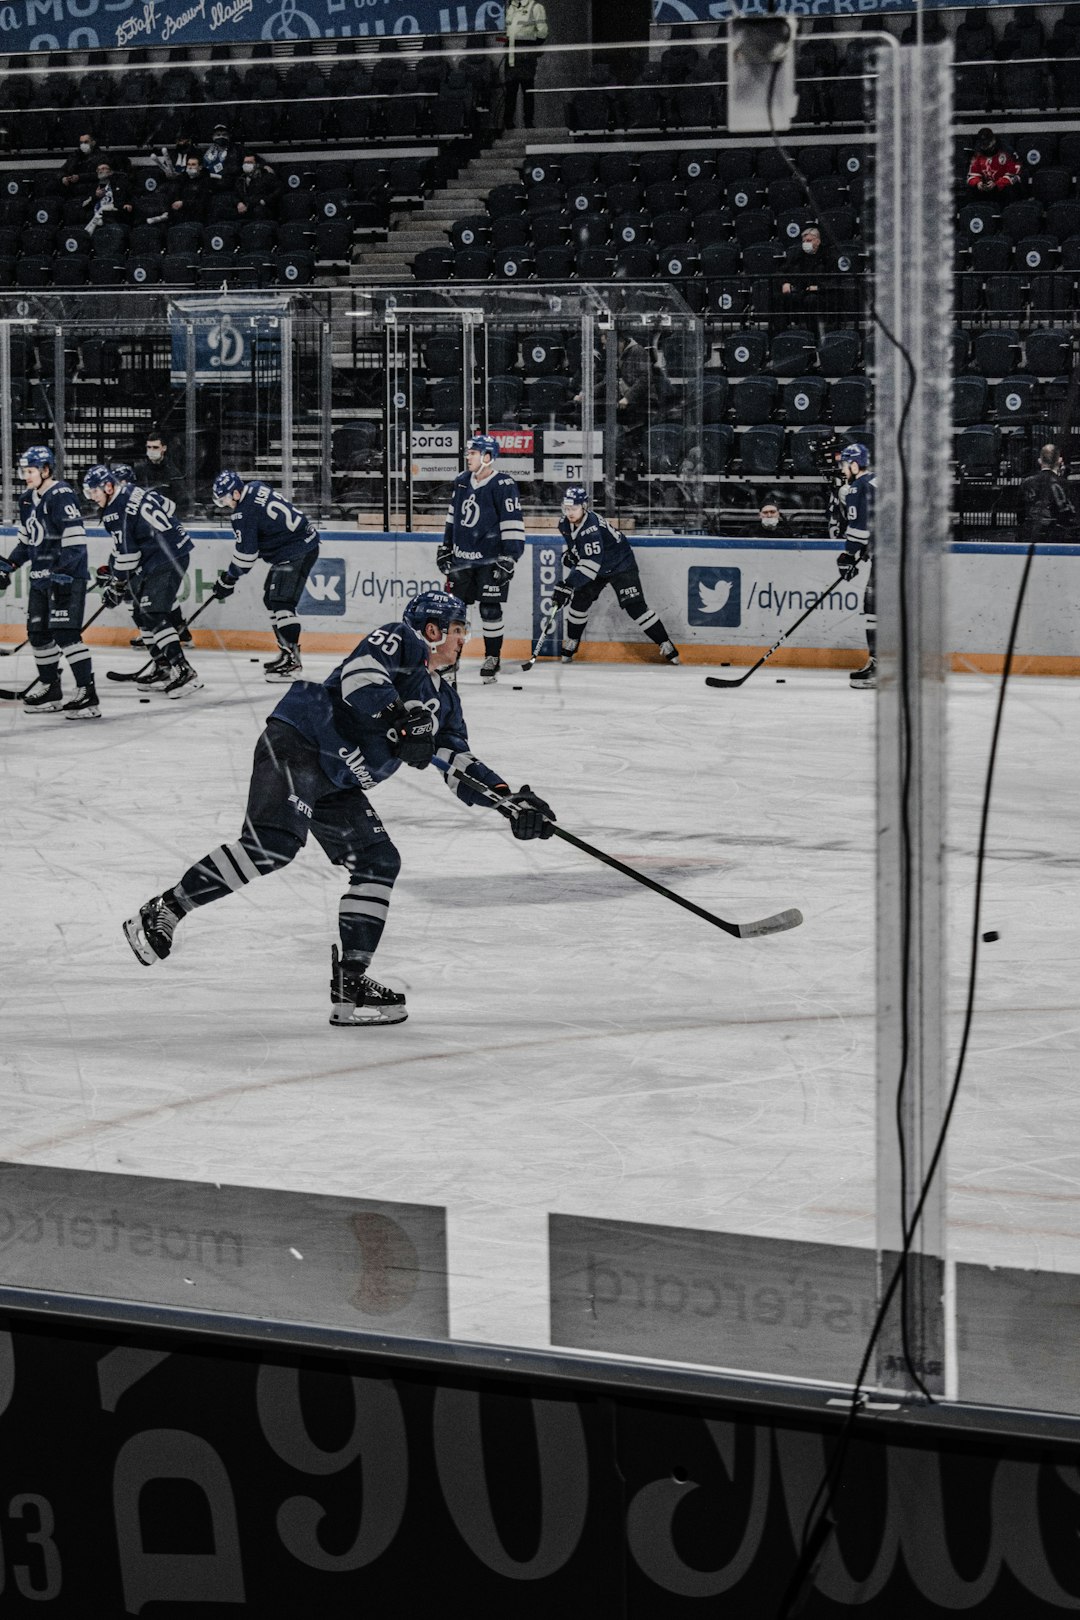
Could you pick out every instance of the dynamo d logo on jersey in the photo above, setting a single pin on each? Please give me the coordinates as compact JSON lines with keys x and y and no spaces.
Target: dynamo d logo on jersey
{"x":324,"y":591}
{"x":714,"y":596}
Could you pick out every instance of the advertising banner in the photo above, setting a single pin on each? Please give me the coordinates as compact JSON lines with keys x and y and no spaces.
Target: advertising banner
{"x":233,"y":340}
{"x":564,"y":455}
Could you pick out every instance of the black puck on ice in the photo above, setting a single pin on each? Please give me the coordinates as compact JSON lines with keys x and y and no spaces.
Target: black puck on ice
{"x":988,"y":939}
{"x":517,"y":689}
{"x":253,"y":660}
{"x":144,"y":700}
{"x":780,"y":681}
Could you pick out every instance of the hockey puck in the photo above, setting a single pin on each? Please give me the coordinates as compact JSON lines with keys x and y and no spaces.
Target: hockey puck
{"x":144,"y":700}
{"x":988,"y":939}
{"x":780,"y":681}
{"x":517,"y":689}
{"x":253,"y":660}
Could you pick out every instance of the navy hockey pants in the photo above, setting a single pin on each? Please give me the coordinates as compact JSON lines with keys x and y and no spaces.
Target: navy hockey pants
{"x":289,"y":796}
{"x":54,"y":619}
{"x":627,"y":588}
{"x":284,"y":587}
{"x":488,"y":586}
{"x":153,"y":607}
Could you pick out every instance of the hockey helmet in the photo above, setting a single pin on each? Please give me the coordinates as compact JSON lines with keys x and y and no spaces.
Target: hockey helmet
{"x":576,"y":495}
{"x":226,"y":483}
{"x":857,"y":453}
{"x":123,"y":472}
{"x":435,"y":607}
{"x":485,"y":443}
{"x":97,"y":476}
{"x":38,"y":455}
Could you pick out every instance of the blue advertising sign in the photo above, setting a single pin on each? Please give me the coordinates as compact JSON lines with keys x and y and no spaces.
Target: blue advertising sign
{"x":692,"y":11}
{"x":547,"y":571}
{"x":90,"y":25}
{"x":233,"y":337}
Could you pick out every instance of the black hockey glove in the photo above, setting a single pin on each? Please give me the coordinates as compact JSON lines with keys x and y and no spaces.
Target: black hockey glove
{"x":528,"y":814}
{"x":223,"y":586}
{"x":504,"y":568}
{"x":444,"y":557}
{"x":411,"y":732}
{"x":5,"y":574}
{"x":570,"y":558}
{"x":561,"y":594}
{"x":113,"y":590}
{"x":848,"y":561}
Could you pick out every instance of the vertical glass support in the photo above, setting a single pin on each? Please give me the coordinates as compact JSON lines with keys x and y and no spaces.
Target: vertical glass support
{"x":588,"y":397}
{"x":7,"y":448}
{"x":59,"y":400}
{"x":611,"y":420}
{"x":694,"y":337}
{"x":190,"y":426}
{"x":287,"y":358}
{"x":409,"y":375}
{"x":389,"y":413}
{"x":912,"y":440}
{"x":468,"y":376}
{"x":326,"y":419}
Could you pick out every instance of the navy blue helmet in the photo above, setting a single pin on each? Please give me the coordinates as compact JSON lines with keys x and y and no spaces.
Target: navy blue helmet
{"x":38,"y":455}
{"x":485,"y":444}
{"x":227,"y":483}
{"x":576,"y":495}
{"x":857,"y":453}
{"x":435,"y":607}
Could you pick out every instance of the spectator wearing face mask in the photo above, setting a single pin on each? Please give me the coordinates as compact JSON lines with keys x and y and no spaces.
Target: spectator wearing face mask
{"x":82,"y":163}
{"x":771,"y":521}
{"x":993,"y":167}
{"x":221,"y":160}
{"x":256,"y":188}
{"x":172,"y":160}
{"x":110,"y":198}
{"x":803,"y":280}
{"x":162,"y":473}
{"x":190,"y":194}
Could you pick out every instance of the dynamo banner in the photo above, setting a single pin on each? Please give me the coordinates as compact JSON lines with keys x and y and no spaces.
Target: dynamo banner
{"x":692,"y":11}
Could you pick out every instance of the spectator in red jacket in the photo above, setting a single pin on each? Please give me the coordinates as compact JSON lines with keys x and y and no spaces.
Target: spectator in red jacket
{"x":993,"y":167}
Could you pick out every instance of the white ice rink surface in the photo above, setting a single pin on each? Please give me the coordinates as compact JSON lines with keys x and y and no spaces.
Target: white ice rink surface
{"x":574,"y":1042}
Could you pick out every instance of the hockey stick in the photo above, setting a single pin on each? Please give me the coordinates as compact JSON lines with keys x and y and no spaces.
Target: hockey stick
{"x":9,"y":652}
{"x":545,"y":631}
{"x":715,"y":680}
{"x":778,"y":923}
{"x":137,"y":674}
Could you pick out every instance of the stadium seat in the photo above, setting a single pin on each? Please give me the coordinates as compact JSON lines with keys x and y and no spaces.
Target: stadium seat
{"x":753,"y":225}
{"x":793,"y":353}
{"x":294,"y":269}
{"x":715,"y":395}
{"x":977,"y":449}
{"x":143,"y":269}
{"x":33,"y":270}
{"x":969,"y":400}
{"x":754,"y":399}
{"x":991,"y":253}
{"x":664,"y":447}
{"x":1063,"y":219}
{"x":1014,"y":397}
{"x":595,"y":264}
{"x":471,"y":264}
{"x":729,"y":297}
{"x":513,"y":265}
{"x":542,"y":357}
{"x":805,"y":446}
{"x":803,"y":401}
{"x":504,"y":397}
{"x":545,"y":399}
{"x":1048,"y":353}
{"x":636,"y":263}
{"x":744,"y":352}
{"x":178,"y":269}
{"x":610,"y":167}
{"x":838,"y":353}
{"x":849,"y":399}
{"x":673,"y":228}
{"x":551,"y":229}
{"x":629,"y":229}
{"x":761,"y":449}
{"x":716,"y":445}
{"x":677,"y":263}
{"x":70,"y":270}
{"x":510,"y":231}
{"x":554,"y":263}
{"x":444,"y":399}
{"x":433,"y":264}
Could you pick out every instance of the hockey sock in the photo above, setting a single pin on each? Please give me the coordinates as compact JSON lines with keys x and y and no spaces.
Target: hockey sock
{"x":871,"y":635}
{"x":80,"y":663}
{"x":286,"y":629}
{"x":656,"y":631}
{"x":493,"y":646}
{"x":167,"y":647}
{"x":491,"y":624}
{"x":230,"y":867}
{"x":47,"y":659}
{"x":363,"y":907}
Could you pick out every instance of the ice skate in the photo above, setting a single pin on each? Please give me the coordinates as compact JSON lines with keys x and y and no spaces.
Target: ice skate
{"x":864,"y":679}
{"x":84,"y":706}
{"x":355,"y":999}
{"x":183,"y":681}
{"x":150,"y":931}
{"x":669,"y":651}
{"x":286,"y":667}
{"x":44,"y":697}
{"x":569,"y":648}
{"x":489,"y":669}
{"x":156,"y":679}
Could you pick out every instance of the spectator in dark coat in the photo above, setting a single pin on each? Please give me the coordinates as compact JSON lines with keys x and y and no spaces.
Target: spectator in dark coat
{"x":81,"y":165}
{"x":256,"y":188}
{"x":162,"y":472}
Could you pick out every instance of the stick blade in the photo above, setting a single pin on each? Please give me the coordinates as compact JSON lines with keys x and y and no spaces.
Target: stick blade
{"x":778,"y":923}
{"x":714,"y":680}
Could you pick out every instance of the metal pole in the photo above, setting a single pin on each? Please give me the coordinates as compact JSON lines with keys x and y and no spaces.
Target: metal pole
{"x":190,"y":438}
{"x":389,"y":342}
{"x":611,"y":401}
{"x":59,"y":403}
{"x":914,"y":296}
{"x":408,"y":427}
{"x":468,"y":378}
{"x":7,"y":448}
{"x":287,"y":327}
{"x":326,"y":419}
{"x":487,"y":378}
{"x":588,"y":397}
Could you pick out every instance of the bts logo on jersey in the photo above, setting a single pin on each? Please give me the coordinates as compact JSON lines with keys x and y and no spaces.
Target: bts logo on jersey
{"x":714,"y":597}
{"x":324,"y":591}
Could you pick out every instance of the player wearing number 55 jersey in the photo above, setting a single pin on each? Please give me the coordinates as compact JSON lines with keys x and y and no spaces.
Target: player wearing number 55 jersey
{"x":858,"y":496}
{"x":324,"y":749}
{"x":484,"y":537}
{"x":269,"y":527}
{"x":53,"y":541}
{"x":597,"y":555}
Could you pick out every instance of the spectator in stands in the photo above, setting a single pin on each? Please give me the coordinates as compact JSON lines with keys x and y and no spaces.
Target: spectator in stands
{"x":159,"y":471}
{"x":221,"y":160}
{"x":189,"y":196}
{"x":772,"y":524}
{"x":109,"y":200}
{"x":993,"y":167}
{"x":256,"y":188}
{"x":173,"y":160}
{"x":804,"y":283}
{"x":81,"y":164}
{"x":1046,"y":512}
{"x":526,"y":24}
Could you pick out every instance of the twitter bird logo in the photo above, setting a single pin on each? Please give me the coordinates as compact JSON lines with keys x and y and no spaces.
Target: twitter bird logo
{"x":714,"y":596}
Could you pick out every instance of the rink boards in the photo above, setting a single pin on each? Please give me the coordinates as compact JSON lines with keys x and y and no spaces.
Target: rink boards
{"x":722,"y":600}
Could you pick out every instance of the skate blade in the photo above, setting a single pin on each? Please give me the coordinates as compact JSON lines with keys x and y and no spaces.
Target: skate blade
{"x":45,"y":708}
{"x":346,"y":1016}
{"x":182,"y":691}
{"x":83,"y":714}
{"x":139,"y":943}
{"x":280,"y":677}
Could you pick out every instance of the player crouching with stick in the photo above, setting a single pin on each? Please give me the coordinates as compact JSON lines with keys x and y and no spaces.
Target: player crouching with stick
{"x":597,"y":555}
{"x":324,"y":748}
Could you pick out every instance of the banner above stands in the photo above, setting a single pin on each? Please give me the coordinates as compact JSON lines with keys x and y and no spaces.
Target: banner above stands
{"x":666,"y":12}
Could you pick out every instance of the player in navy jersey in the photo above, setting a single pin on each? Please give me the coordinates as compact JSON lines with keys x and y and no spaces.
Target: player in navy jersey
{"x":597,"y":555}
{"x":268,"y":526}
{"x":483,"y":539}
{"x":858,"y":546}
{"x":324,"y":748}
{"x":147,"y":563}
{"x":53,"y":541}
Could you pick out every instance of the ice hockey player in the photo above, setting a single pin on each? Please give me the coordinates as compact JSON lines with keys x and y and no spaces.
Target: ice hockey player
{"x":266,"y":525}
{"x":52,"y":539}
{"x":597,"y":555}
{"x":484,"y":537}
{"x":858,"y":546}
{"x":324,"y":748}
{"x":148,"y":561}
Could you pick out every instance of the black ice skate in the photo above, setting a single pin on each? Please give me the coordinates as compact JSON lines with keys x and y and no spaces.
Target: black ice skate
{"x":669,"y":651}
{"x":489,"y":669}
{"x":355,"y":999}
{"x":569,"y":648}
{"x":156,"y":679}
{"x":150,"y":931}
{"x":864,"y":679}
{"x":286,"y":667}
{"x":84,"y":706}
{"x":44,"y":697}
{"x":182,"y":681}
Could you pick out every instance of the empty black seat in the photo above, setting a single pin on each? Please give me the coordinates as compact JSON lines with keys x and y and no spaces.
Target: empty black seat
{"x":969,"y":400}
{"x":1048,"y":352}
{"x":744,"y":352}
{"x":838,"y":353}
{"x":793,"y":353}
{"x":753,"y":399}
{"x":802,"y":401}
{"x":978,"y":449}
{"x":849,"y":399}
{"x":761,"y":449}
{"x":1014,"y":398}
{"x":996,"y":351}
{"x":433,"y":264}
